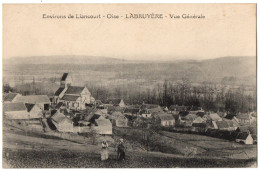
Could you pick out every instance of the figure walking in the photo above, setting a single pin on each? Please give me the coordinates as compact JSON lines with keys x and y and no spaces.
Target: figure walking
{"x":104,"y":151}
{"x":121,"y":149}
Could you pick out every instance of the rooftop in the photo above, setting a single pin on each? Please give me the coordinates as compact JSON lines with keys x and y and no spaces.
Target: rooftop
{"x":33,"y":99}
{"x":8,"y":107}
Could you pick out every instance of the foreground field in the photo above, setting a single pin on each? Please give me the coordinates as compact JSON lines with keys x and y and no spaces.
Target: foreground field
{"x":33,"y":150}
{"x":73,"y":159}
{"x":182,"y":144}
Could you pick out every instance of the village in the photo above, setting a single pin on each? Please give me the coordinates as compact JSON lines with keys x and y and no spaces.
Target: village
{"x":73,"y":110}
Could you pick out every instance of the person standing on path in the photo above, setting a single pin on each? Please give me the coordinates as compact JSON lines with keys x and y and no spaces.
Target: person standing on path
{"x":104,"y":151}
{"x":121,"y":149}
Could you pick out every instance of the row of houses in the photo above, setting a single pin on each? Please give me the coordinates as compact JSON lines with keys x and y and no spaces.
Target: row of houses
{"x":73,"y":109}
{"x":17,"y":106}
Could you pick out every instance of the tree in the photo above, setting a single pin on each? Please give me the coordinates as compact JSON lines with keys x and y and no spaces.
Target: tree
{"x":7,"y":88}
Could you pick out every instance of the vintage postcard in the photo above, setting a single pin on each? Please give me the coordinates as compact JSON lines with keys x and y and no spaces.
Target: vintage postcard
{"x":129,"y":86}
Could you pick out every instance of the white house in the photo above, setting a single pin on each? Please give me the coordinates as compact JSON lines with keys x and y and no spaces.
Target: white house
{"x":34,"y":111}
{"x":103,"y":126}
{"x":119,"y":119}
{"x":245,"y":137}
{"x":166,"y":120}
{"x":62,"y":123}
{"x":42,"y":101}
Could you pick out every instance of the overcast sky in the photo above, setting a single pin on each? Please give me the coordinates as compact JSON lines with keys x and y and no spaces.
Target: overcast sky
{"x":227,"y":30}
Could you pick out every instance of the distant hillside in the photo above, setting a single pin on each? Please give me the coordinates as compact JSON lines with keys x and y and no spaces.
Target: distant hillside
{"x":72,"y":59}
{"x":231,"y":70}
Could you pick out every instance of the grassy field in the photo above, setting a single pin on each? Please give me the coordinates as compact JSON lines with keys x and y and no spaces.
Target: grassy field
{"x":180,"y":143}
{"x":31,"y":150}
{"x":72,"y":159}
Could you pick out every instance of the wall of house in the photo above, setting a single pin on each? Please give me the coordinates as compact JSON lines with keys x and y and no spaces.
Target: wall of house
{"x":168,"y":123}
{"x":244,"y":121}
{"x":85,"y":96}
{"x":249,"y":140}
{"x":106,"y":129}
{"x":64,"y":126}
{"x":17,"y":115}
{"x":35,"y":113}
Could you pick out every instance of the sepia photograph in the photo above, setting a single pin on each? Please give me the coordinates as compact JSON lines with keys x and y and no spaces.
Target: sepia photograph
{"x":129,"y":85}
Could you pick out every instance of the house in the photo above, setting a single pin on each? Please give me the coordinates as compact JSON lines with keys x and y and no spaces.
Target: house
{"x":62,"y":123}
{"x":103,"y":126}
{"x":243,"y":119}
{"x":149,"y":110}
{"x":212,"y":125}
{"x":116,"y":102}
{"x":244,"y":137}
{"x":175,"y":109}
{"x":166,"y":120}
{"x":11,"y":97}
{"x":42,"y":101}
{"x":198,"y":120}
{"x":200,"y":114}
{"x":189,"y":119}
{"x":198,"y":125}
{"x":131,"y":111}
{"x":118,"y":119}
{"x":16,"y":110}
{"x":226,"y":125}
{"x":195,"y":110}
{"x":74,"y":97}
{"x":34,"y":111}
{"x":206,"y":118}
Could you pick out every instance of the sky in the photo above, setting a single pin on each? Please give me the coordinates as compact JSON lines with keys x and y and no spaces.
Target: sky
{"x":227,"y":30}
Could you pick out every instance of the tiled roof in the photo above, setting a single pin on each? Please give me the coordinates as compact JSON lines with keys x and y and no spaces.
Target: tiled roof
{"x":10,"y":96}
{"x":201,"y":114}
{"x":191,"y":117}
{"x":222,"y":124}
{"x":242,"y":135}
{"x":74,"y":90}
{"x":214,"y":117}
{"x":198,"y":120}
{"x":242,"y":116}
{"x":33,"y":99}
{"x":70,"y":98}
{"x":8,"y":107}
{"x":178,"y":108}
{"x":59,"y":117}
{"x":103,"y":122}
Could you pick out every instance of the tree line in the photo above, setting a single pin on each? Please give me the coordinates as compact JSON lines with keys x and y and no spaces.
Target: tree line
{"x":209,"y":96}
